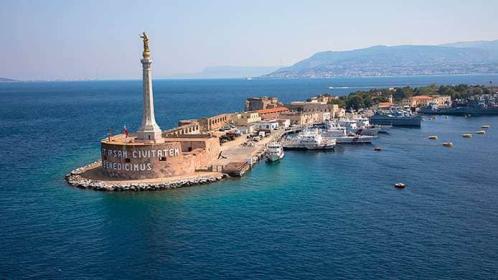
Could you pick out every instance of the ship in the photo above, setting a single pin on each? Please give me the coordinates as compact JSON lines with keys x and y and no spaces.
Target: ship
{"x":309,"y":139}
{"x":477,"y":110}
{"x":396,"y":117}
{"x":274,"y":152}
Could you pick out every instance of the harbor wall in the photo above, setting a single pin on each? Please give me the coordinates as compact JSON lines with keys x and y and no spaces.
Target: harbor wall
{"x":145,"y":161}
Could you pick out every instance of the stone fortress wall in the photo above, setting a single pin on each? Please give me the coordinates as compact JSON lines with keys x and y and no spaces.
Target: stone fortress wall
{"x":174,"y":157}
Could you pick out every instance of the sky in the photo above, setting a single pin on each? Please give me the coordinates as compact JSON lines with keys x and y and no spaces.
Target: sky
{"x":99,"y":39}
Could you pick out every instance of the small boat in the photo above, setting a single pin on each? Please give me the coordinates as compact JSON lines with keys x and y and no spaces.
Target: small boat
{"x":486,"y":126}
{"x":377,"y":149}
{"x":433,"y":137}
{"x":448,"y":144}
{"x":467,"y":135}
{"x":399,"y":185}
{"x":274,"y":152}
{"x":481,"y":132}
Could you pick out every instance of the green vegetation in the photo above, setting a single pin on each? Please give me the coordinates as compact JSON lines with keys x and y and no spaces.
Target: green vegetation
{"x":365,"y":99}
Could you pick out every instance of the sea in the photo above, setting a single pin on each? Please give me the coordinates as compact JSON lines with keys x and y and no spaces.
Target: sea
{"x":314,"y":215}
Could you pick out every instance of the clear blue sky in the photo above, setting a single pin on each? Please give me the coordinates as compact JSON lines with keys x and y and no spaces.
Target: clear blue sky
{"x":74,"y":39}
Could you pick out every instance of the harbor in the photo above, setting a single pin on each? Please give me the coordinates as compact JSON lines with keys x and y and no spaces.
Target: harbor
{"x":209,"y":149}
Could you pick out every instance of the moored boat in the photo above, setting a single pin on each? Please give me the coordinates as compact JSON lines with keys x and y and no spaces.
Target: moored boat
{"x":274,"y":152}
{"x":448,"y":144}
{"x":396,"y":118}
{"x":341,"y":135}
{"x":309,"y":139}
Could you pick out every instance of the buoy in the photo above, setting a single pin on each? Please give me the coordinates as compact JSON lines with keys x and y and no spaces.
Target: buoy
{"x":377,"y":149}
{"x":467,"y":135}
{"x":481,"y":132}
{"x":399,"y":185}
{"x":433,"y":137}
{"x":448,"y":144}
{"x":486,"y":126}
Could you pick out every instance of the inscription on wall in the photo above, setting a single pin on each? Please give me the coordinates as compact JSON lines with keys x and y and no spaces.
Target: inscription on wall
{"x":140,"y":154}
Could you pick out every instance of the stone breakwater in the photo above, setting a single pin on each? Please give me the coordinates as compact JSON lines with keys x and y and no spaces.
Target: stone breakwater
{"x":79,"y":179}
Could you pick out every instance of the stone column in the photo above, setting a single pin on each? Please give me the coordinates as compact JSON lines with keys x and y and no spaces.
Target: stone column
{"x":149,"y":130}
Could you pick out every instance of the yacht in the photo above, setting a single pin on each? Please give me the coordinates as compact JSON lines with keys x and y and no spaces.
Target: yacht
{"x":274,"y":152}
{"x":360,"y":126}
{"x":342,"y":136}
{"x":310,"y":139}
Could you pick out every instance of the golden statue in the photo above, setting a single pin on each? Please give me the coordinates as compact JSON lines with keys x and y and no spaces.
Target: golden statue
{"x":146,"y":52}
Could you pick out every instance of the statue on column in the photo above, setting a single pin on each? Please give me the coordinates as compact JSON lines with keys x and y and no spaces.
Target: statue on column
{"x":145,"y":38}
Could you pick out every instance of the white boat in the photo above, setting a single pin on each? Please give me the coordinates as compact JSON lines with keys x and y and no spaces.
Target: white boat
{"x":348,"y":124}
{"x":309,"y":139}
{"x":360,"y":126}
{"x":341,"y":135}
{"x":274,"y":152}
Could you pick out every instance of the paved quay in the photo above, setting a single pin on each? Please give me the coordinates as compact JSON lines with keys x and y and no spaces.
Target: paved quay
{"x":237,"y":151}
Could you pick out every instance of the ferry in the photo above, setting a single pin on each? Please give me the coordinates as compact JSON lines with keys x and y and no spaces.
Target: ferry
{"x":274,"y":152}
{"x":396,"y":117}
{"x":340,"y":134}
{"x":310,"y":139}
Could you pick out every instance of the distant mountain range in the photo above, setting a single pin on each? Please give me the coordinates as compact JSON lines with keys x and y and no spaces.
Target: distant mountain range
{"x":223,"y":72}
{"x":476,"y":57}
{"x":6,"y":80}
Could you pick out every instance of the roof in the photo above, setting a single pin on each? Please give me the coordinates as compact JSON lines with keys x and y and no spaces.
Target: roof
{"x":422,"y":97}
{"x":385,"y":104}
{"x":273,"y":110}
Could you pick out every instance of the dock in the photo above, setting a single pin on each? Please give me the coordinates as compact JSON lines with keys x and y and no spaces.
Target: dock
{"x":237,"y":156}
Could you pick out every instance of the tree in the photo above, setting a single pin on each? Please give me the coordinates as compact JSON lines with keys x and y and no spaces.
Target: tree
{"x":339,"y":102}
{"x":355,"y":102}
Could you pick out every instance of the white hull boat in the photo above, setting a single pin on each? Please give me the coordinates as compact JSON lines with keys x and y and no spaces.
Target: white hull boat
{"x":274,"y":152}
{"x":309,"y":140}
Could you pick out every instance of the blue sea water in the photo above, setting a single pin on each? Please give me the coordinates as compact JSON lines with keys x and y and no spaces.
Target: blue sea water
{"x":330,"y":215}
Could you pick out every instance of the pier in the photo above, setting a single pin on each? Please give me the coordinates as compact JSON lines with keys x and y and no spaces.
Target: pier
{"x":237,"y":156}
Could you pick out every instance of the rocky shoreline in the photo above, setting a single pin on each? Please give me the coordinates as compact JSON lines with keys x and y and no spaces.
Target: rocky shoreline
{"x":76,"y":179}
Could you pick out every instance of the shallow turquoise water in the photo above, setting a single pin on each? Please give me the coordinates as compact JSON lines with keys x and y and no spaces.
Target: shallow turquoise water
{"x":314,"y":215}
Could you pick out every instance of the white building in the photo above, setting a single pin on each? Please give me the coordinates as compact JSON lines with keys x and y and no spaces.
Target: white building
{"x":267,"y":125}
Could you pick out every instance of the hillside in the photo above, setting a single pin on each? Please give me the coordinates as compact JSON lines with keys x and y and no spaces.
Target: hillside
{"x":455,"y":58}
{"x":6,"y":80}
{"x":227,"y":72}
